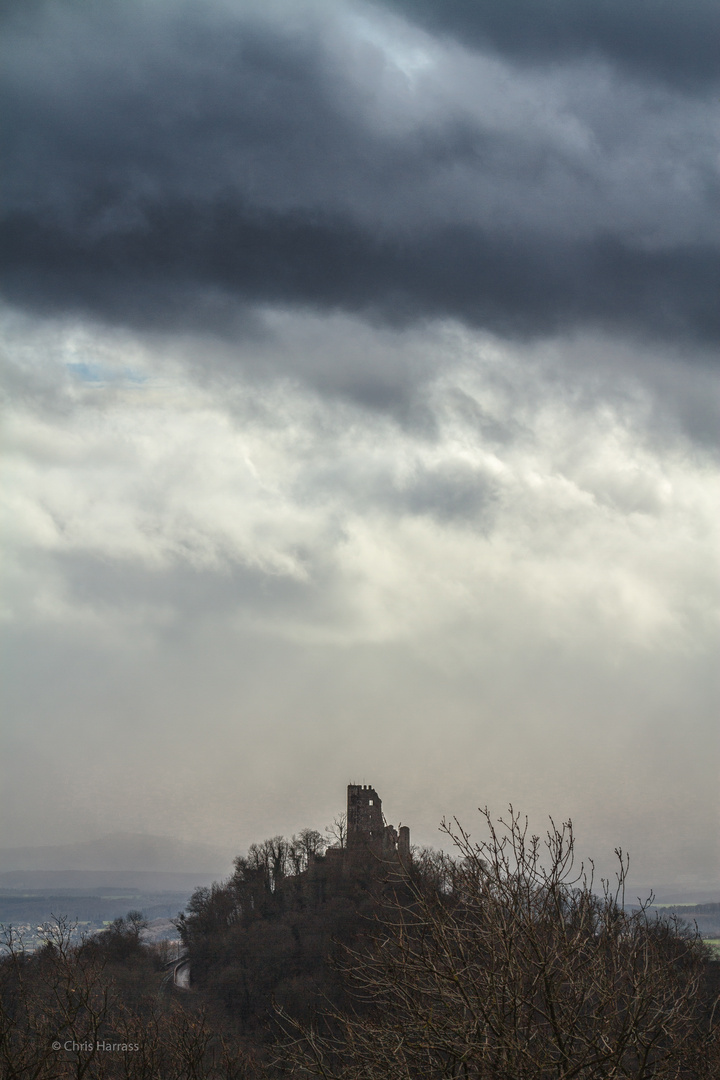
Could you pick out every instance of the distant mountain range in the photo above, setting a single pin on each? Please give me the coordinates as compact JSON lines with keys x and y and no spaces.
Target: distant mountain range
{"x":116,"y":855}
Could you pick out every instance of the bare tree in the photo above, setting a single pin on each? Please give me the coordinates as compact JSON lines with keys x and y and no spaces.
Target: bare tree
{"x":49,"y":1000}
{"x":62,"y":1017}
{"x":304,"y":847}
{"x":505,"y":963}
{"x":337,"y":832}
{"x":272,"y":858}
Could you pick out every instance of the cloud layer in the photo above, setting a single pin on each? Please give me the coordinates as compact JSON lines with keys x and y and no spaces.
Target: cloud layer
{"x":518,"y":584}
{"x":361,"y":395}
{"x":173,"y":165}
{"x":659,"y":42}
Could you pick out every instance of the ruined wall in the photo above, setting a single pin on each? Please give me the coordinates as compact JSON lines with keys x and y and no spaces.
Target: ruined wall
{"x":367,"y":830}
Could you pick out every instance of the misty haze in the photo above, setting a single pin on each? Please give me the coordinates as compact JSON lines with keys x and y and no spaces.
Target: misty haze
{"x":361,"y":411}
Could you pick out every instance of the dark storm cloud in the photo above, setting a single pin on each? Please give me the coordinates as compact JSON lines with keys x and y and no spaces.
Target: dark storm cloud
{"x":185,"y":264}
{"x":174,"y":166}
{"x":661,"y":39}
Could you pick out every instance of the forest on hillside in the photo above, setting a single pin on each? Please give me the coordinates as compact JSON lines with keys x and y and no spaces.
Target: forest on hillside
{"x":497,"y":960}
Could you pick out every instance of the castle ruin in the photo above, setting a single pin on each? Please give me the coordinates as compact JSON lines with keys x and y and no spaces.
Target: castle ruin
{"x":367,"y":830}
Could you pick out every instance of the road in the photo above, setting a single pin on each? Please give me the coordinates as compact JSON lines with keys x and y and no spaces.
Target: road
{"x":181,"y":975}
{"x":178,"y":974}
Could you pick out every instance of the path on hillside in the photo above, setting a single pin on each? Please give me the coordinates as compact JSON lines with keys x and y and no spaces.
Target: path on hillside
{"x":181,"y":974}
{"x":178,"y":974}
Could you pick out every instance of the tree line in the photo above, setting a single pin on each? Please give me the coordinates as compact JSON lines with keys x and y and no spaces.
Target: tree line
{"x":499,"y":959}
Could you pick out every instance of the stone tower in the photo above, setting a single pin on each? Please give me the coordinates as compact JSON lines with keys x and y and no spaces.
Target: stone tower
{"x":365,"y":822}
{"x":403,"y":845}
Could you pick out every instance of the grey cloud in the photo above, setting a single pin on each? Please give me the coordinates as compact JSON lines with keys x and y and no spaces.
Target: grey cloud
{"x":108,"y":584}
{"x":173,"y":167}
{"x":186,"y":264}
{"x":328,"y":531}
{"x":452,"y":492}
{"x":670,"y":42}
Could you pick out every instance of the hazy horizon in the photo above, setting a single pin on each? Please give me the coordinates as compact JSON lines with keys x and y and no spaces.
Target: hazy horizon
{"x":361,"y":421}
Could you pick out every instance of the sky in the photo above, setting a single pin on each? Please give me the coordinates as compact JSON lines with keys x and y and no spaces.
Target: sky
{"x":360,"y":419}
